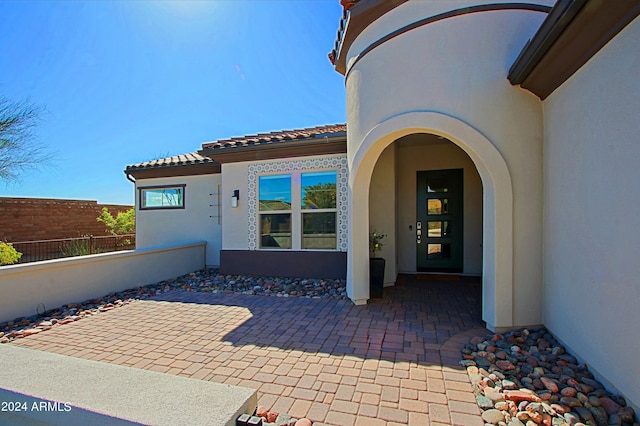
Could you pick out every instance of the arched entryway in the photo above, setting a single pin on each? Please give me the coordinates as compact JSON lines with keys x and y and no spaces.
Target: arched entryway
{"x":497,"y":205}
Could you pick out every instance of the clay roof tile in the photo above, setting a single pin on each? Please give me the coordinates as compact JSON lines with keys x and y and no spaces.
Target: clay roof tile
{"x":271,"y":137}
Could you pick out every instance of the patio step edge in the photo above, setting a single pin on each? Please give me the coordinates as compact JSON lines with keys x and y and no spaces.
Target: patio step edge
{"x":55,"y":389}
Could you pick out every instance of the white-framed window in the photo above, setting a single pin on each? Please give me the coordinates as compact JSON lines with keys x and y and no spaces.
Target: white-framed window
{"x":162,"y":197}
{"x":298,"y":210}
{"x":274,"y":206}
{"x":318,"y":205}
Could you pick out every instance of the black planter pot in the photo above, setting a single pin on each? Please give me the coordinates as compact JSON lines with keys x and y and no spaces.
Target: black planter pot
{"x":376,"y":276}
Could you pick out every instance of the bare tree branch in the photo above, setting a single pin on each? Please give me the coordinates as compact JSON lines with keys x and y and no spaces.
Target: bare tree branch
{"x":20,"y":151}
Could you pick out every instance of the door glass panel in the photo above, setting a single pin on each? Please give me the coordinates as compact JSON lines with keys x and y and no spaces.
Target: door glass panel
{"x":434,"y":206}
{"x":438,"y":185}
{"x":438,"y":229}
{"x":438,"y":251}
{"x":435,"y":229}
{"x":437,"y":206}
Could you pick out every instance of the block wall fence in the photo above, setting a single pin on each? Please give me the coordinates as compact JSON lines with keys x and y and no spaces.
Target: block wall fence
{"x":31,"y":219}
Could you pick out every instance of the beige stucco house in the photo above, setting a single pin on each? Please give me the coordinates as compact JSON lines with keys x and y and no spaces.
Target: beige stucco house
{"x":496,"y":138}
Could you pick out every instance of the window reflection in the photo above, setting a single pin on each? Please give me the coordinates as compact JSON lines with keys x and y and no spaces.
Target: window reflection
{"x":275,"y":231}
{"x":439,"y":251}
{"x":275,"y":192}
{"x":319,"y":230}
{"x":437,"y":185}
{"x":437,"y":206}
{"x":162,"y":197}
{"x":318,"y":190}
{"x":438,"y":229}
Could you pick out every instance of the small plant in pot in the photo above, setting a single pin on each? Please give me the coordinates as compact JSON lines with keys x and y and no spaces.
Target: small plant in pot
{"x":376,"y":265}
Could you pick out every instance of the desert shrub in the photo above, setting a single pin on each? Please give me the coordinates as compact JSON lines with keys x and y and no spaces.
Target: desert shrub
{"x":8,"y":254}
{"x":123,"y":223}
{"x":76,"y":247}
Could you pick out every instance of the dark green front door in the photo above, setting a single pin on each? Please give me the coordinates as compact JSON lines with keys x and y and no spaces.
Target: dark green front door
{"x":439,"y":221}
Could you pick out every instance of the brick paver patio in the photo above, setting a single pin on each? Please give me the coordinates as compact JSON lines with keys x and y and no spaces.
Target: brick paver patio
{"x":394,"y":361}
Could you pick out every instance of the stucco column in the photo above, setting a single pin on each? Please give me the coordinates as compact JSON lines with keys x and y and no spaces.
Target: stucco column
{"x":358,"y":251}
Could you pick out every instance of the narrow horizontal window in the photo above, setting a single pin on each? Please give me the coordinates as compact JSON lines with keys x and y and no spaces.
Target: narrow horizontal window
{"x":162,"y":197}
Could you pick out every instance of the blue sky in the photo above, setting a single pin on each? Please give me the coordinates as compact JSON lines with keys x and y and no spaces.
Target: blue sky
{"x":129,"y":81}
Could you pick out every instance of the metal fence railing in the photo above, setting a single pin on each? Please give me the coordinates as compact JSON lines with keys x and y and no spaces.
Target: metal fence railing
{"x":35,"y":251}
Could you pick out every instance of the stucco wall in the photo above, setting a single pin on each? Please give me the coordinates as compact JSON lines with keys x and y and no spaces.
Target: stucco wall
{"x":199,"y":220}
{"x":424,"y":152}
{"x":592,"y":225}
{"x":234,"y":223}
{"x":73,"y":280}
{"x":457,"y":67}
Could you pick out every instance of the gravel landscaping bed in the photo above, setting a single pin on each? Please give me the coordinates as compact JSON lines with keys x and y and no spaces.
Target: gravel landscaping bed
{"x":526,"y":377}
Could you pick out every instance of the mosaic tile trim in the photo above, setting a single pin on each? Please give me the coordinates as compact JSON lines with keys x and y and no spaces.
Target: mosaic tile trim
{"x":337,"y":163}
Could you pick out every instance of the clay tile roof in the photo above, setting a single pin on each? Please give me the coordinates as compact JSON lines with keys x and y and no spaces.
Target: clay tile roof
{"x":276,"y":137}
{"x":177,"y":160}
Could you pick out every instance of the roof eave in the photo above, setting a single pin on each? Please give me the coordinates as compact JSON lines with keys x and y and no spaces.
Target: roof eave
{"x":283,"y":149}
{"x":361,"y":15}
{"x":573,"y":33}
{"x":173,"y":170}
{"x":555,"y":23}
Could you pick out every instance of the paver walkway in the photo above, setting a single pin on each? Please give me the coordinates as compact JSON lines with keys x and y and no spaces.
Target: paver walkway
{"x":394,"y":361}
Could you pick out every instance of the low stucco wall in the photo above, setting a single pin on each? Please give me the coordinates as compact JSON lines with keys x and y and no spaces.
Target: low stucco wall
{"x":57,"y":282}
{"x":591,"y":221}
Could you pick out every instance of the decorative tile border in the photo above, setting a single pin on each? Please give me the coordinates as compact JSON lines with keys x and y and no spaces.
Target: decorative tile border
{"x":337,"y":163}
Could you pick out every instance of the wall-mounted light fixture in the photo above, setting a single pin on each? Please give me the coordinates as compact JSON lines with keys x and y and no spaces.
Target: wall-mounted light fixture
{"x":235,"y":197}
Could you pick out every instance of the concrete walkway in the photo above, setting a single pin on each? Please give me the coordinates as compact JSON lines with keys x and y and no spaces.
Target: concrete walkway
{"x":52,"y":389}
{"x":394,"y":361}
